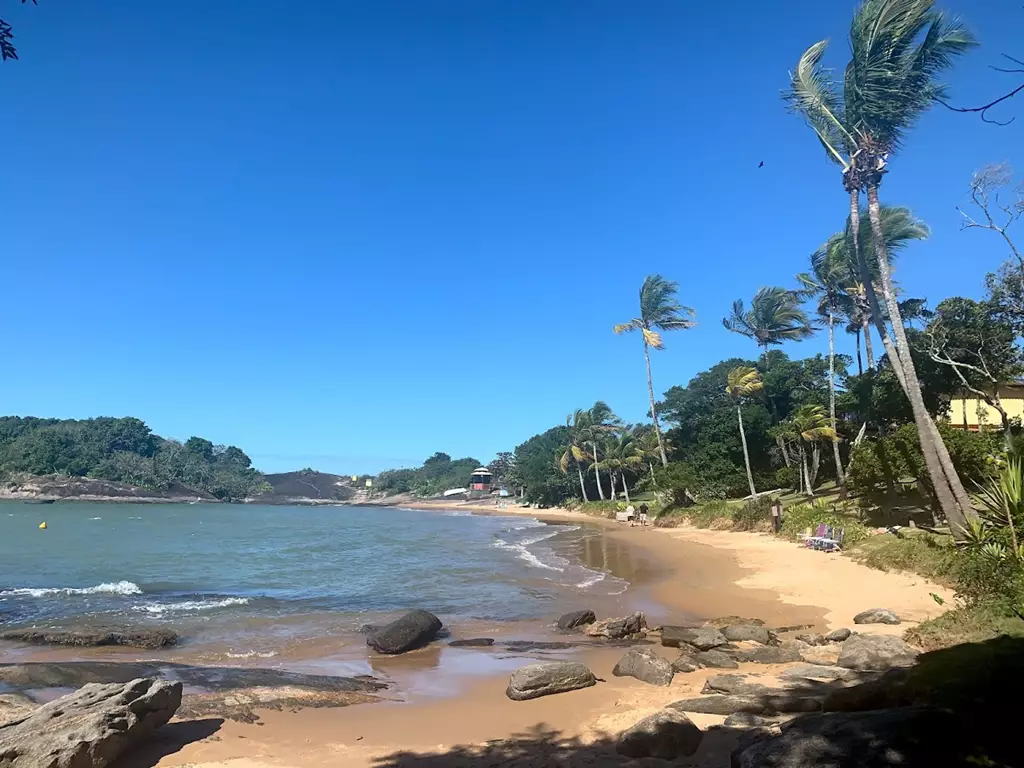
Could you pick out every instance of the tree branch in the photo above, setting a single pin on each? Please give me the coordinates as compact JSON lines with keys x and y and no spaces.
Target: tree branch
{"x":983,"y":110}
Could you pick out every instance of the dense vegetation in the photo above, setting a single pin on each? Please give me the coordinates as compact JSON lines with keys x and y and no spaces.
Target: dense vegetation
{"x":124,"y":450}
{"x":438,"y":474}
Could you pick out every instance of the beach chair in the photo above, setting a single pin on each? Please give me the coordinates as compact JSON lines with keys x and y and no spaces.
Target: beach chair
{"x":811,"y":541}
{"x":832,"y":541}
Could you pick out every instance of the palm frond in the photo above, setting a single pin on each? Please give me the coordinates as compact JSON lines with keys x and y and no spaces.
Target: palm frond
{"x":743,"y":381}
{"x":813,"y":93}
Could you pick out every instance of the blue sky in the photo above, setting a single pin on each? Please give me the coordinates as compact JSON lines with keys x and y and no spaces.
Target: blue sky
{"x":349,"y":234}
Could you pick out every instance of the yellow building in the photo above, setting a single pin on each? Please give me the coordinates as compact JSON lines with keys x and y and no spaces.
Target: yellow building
{"x":972,"y":412}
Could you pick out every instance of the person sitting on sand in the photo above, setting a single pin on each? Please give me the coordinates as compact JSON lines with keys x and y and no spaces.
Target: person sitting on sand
{"x":643,"y":514}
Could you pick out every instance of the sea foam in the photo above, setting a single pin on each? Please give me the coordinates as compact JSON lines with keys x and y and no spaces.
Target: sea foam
{"x":106,"y":588}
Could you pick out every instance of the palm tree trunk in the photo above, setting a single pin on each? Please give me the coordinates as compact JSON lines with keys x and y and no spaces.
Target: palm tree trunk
{"x":867,"y":343}
{"x":611,"y":479}
{"x":806,"y":475}
{"x":860,"y":362}
{"x":625,"y":487}
{"x":654,"y":410}
{"x":583,"y":485}
{"x":654,"y":478}
{"x":597,"y":472}
{"x":949,"y":490}
{"x":746,"y":456}
{"x":832,"y":394}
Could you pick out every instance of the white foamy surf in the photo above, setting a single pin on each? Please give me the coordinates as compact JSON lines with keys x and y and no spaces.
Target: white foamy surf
{"x":106,"y":588}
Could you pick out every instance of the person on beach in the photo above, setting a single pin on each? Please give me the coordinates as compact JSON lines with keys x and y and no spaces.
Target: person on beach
{"x":643,"y":514}
{"x":630,"y":515}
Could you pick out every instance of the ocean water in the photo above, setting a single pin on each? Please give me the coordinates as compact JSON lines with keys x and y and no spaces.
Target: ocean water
{"x":256,"y":579}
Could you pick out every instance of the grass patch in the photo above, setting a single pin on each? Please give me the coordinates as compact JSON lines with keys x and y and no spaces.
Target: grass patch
{"x":920,"y":552}
{"x":966,"y":624}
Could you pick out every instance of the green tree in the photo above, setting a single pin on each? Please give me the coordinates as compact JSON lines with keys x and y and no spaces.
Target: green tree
{"x":623,"y":454}
{"x":600,"y":422}
{"x":660,"y":311}
{"x":743,"y":382}
{"x":809,"y":426}
{"x":899,"y":47}
{"x":574,"y":453}
{"x":774,"y":317}
{"x":537,"y":465}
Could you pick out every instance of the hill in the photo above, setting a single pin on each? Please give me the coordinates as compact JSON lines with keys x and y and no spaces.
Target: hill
{"x":306,"y":486}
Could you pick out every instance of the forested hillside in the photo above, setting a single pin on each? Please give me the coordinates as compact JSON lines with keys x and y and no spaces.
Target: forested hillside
{"x":124,"y":450}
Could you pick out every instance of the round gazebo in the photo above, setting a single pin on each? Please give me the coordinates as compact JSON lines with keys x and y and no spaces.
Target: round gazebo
{"x":480,"y":482}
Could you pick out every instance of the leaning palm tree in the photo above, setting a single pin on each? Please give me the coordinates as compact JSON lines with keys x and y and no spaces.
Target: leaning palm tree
{"x":600,"y":421}
{"x":660,"y":311}
{"x":622,"y":454}
{"x":651,"y":446}
{"x":774,"y":316}
{"x":899,"y":47}
{"x":575,"y":453}
{"x":810,"y":426}
{"x":744,"y":381}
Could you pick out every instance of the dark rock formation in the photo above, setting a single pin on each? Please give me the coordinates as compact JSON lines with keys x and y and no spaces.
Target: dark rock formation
{"x":838,"y":635}
{"x":773,"y":702}
{"x":617,"y":629}
{"x":667,"y":735}
{"x":767,"y":654}
{"x":686,"y":662}
{"x":93,"y":636}
{"x":472,"y":642}
{"x":89,"y":728}
{"x":716,"y":660}
{"x":724,"y":621}
{"x":746,"y":720}
{"x":646,"y":665}
{"x":816,"y":672}
{"x":701,"y":638}
{"x":876,"y":616}
{"x":735,"y":684}
{"x":875,"y":652}
{"x":576,"y":619}
{"x":747,"y":632}
{"x":414,"y":630}
{"x":815,"y":639}
{"x":536,"y":680}
{"x":523,"y":646}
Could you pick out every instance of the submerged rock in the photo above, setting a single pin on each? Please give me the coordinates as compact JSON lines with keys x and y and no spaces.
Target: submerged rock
{"x":576,"y":619}
{"x":666,"y":735}
{"x":536,"y":680}
{"x":522,"y":646}
{"x":472,"y":642}
{"x":414,"y":630}
{"x":646,"y":665}
{"x":875,"y":652}
{"x":93,"y":636}
{"x":91,"y":727}
{"x":876,"y":616}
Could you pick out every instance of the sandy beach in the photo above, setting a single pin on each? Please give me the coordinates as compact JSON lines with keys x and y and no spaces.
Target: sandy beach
{"x":687,"y":572}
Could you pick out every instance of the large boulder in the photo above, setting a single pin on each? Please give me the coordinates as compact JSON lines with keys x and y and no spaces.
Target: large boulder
{"x":767,"y":654}
{"x":812,"y":639}
{"x":139,"y":637}
{"x":880,"y":739}
{"x":816,"y":672}
{"x":14,"y":706}
{"x":838,"y":635}
{"x":701,"y":638}
{"x":576,"y":619}
{"x":644,"y":664}
{"x":686,"y":662}
{"x":736,"y":684}
{"x":769,"y":703}
{"x":716,"y":660}
{"x":544,"y":679}
{"x":875,"y":652}
{"x":414,"y":630}
{"x":748,"y":632}
{"x":91,"y":727}
{"x":618,"y":629}
{"x":667,"y":735}
{"x":876,"y":616}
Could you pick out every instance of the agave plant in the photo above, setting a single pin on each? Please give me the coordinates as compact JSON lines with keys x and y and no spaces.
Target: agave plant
{"x":1002,"y":506}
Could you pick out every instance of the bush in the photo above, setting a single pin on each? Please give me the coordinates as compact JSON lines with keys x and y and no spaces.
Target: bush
{"x":756,"y":514}
{"x":680,"y":478}
{"x":799,"y":518}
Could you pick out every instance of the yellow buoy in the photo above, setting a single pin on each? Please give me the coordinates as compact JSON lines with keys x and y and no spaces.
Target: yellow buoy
{"x":43,"y":526}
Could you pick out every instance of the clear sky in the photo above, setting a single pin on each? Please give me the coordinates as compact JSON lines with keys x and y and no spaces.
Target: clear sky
{"x":349,"y":234}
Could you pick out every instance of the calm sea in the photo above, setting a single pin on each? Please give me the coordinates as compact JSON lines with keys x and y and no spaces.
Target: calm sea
{"x":259,"y":580}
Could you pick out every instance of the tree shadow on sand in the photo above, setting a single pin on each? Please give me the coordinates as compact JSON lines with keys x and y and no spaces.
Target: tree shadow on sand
{"x":172,"y":738}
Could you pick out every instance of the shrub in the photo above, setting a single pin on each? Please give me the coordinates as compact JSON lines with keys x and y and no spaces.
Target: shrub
{"x":799,"y":518}
{"x":680,"y":478}
{"x":710,"y":515}
{"x":756,"y":514}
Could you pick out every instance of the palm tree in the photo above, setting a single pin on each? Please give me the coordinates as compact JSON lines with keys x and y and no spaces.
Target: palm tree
{"x":744,"y":381}
{"x":899,"y":47}
{"x":810,"y":426}
{"x":622,"y":453}
{"x":651,"y":446}
{"x":575,"y":453}
{"x":774,"y":317}
{"x":660,"y":311}
{"x":600,"y":420}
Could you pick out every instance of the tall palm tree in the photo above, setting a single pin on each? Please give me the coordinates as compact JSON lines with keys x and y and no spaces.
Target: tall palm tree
{"x":774,"y":316}
{"x":575,"y":453}
{"x":600,"y":421}
{"x":622,"y":453}
{"x":899,"y":47}
{"x":651,"y":446}
{"x":810,"y":426}
{"x":744,"y":381}
{"x":660,"y":311}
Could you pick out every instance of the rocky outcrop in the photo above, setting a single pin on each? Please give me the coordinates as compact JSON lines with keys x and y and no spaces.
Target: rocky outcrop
{"x":716,"y":660}
{"x":767,"y":654}
{"x":667,"y":735}
{"x":472,"y":642}
{"x":772,"y":702}
{"x":576,"y":619}
{"x":89,"y":728}
{"x":735,"y":684}
{"x":93,"y":636}
{"x":812,"y":639}
{"x":876,"y":616}
{"x":686,"y":662}
{"x":414,"y":630}
{"x":701,"y":638}
{"x":644,"y":664}
{"x":881,"y":739}
{"x":14,"y":706}
{"x":838,"y":635}
{"x":748,"y":632}
{"x":746,"y":720}
{"x":536,"y":680}
{"x":875,"y":652}
{"x":816,"y":672}
{"x":724,"y":621}
{"x":618,"y":629}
